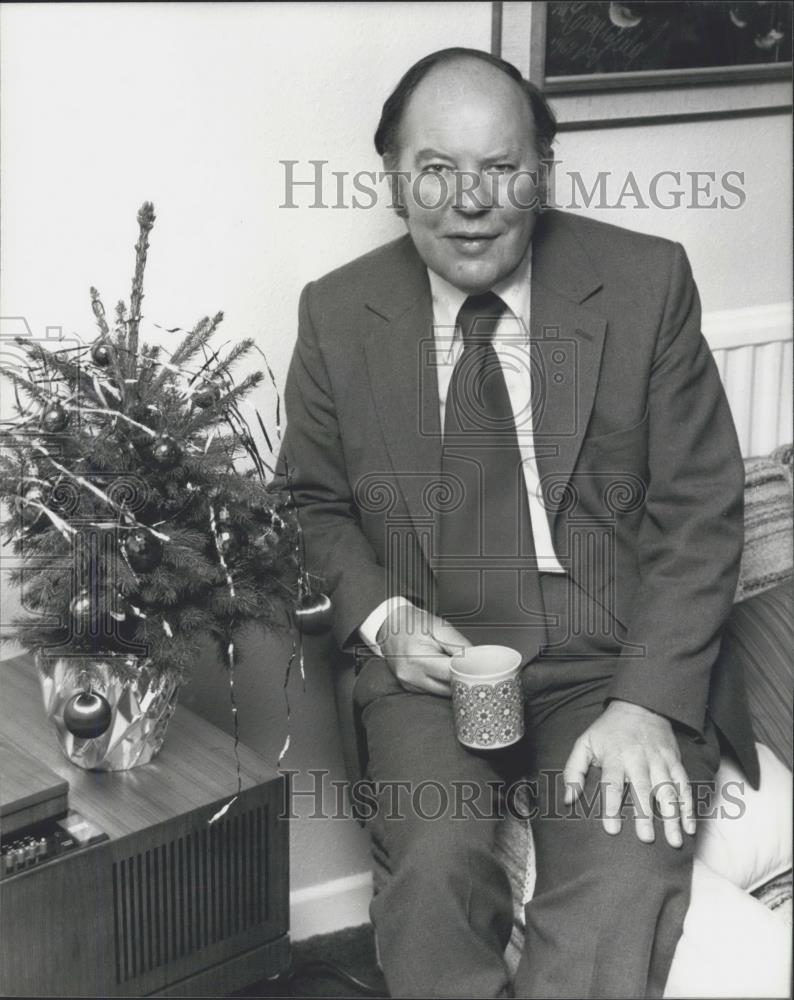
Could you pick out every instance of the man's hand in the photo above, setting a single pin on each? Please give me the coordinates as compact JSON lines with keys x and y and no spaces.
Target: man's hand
{"x":634,"y":746}
{"x":417,"y":647}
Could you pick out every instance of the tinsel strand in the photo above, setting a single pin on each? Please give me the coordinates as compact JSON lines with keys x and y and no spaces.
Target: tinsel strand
{"x":224,"y":809}
{"x":95,"y":490}
{"x":285,"y":692}
{"x":217,"y":539}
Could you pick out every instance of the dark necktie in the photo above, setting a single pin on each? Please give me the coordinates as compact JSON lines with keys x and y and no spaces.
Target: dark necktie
{"x":487,"y":577}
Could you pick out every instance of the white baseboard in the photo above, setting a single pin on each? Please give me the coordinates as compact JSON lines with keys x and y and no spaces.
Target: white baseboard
{"x":330,"y":906}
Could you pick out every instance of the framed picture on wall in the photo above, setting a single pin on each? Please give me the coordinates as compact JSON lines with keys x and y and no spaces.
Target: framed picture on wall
{"x":618,"y":63}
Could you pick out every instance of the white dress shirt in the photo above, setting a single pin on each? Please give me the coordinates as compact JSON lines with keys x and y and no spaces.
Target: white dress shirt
{"x":512,"y":345}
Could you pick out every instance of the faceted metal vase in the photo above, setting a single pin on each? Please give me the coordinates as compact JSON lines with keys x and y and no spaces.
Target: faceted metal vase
{"x":142,"y":701}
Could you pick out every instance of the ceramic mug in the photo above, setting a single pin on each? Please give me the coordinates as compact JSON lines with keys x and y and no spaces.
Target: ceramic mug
{"x":487,"y":699}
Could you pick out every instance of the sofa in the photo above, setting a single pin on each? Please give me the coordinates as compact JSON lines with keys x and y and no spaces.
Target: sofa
{"x":742,"y":879}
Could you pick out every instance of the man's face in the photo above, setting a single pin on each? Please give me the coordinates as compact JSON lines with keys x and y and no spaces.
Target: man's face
{"x":467,"y":140}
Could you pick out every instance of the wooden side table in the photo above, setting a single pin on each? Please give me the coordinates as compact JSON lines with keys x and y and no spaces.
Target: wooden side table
{"x":168,"y":905}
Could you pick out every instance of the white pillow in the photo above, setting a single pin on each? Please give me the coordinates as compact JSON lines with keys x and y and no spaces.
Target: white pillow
{"x":731,"y":946}
{"x":748,"y":839}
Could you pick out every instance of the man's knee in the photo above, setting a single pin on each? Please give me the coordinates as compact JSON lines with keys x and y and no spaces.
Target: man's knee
{"x":440,"y":848}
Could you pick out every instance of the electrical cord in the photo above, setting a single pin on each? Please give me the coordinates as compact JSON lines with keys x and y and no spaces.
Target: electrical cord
{"x":335,"y":970}
{"x":290,"y":979}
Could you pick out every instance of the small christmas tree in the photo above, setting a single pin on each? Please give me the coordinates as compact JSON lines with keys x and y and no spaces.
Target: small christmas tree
{"x":137,"y":529}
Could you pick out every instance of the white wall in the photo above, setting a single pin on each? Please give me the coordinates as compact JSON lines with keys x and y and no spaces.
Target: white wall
{"x":192,"y":107}
{"x":740,"y":256}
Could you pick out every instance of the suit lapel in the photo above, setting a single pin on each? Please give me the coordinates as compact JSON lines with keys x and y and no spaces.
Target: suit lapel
{"x":399,"y":360}
{"x":567,"y":342}
{"x":399,"y":351}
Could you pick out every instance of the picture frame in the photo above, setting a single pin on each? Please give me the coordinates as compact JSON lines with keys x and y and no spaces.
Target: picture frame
{"x":543,"y":38}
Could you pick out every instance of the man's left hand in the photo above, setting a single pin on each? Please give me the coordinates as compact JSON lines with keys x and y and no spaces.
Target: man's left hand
{"x":636,"y":747}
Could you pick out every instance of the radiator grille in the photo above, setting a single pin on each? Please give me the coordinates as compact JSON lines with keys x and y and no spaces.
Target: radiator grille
{"x":190,"y":892}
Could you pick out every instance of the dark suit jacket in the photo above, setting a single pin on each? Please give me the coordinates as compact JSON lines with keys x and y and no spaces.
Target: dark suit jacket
{"x":634,"y":439}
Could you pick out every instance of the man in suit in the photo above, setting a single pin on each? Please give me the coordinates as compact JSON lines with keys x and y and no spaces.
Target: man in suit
{"x":506,"y":427}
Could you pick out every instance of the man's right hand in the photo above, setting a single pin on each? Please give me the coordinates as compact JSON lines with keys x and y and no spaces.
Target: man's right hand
{"x":418,"y":648}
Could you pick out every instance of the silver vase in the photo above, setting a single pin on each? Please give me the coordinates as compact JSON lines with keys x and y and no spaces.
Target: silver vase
{"x":142,"y":701}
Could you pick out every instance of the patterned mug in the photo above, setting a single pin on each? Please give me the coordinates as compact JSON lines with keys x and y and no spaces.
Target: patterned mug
{"x":487,"y":700}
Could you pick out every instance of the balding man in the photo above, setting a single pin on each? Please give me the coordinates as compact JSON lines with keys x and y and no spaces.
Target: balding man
{"x":610,"y":482}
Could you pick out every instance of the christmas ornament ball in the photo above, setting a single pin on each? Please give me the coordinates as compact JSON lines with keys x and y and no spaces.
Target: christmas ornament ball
{"x":206,"y":397}
{"x":54,"y":418}
{"x":164,"y":452}
{"x":314,"y":614}
{"x":144,"y":551}
{"x":87,"y":715}
{"x":101,"y":354}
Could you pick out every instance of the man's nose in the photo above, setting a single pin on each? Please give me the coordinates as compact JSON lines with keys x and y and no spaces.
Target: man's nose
{"x":474,"y":194}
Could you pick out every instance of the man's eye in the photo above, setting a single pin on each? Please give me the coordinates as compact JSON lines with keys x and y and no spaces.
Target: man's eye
{"x":502,"y":168}
{"x":436,"y":168}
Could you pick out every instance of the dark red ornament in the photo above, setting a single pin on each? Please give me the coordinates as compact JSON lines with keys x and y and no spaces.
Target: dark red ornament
{"x":54,"y":418}
{"x":87,"y":715}
{"x":102,"y":354}
{"x":163,"y":453}
{"x":144,"y":551}
{"x":206,"y":397}
{"x":314,"y":614}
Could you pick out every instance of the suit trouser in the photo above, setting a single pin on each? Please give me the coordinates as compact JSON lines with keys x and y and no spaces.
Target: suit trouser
{"x":607,"y":911}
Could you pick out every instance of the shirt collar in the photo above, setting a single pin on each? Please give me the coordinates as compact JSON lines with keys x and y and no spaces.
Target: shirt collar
{"x":514,"y":290}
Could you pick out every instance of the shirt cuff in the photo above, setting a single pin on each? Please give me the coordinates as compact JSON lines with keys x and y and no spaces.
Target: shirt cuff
{"x":369,"y":628}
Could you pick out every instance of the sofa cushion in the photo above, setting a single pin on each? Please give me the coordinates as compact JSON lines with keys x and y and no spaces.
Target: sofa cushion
{"x":759,"y":638}
{"x":731,"y":945}
{"x":768,"y":545}
{"x":748,"y":834}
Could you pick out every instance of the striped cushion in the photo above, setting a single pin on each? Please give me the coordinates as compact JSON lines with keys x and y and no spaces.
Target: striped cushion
{"x":760,"y":635}
{"x":785,"y":455}
{"x":768,"y":549}
{"x":776,"y":895}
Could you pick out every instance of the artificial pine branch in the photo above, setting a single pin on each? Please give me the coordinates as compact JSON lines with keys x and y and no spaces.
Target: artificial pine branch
{"x":196,"y":339}
{"x":78,"y":494}
{"x":238,"y":352}
{"x":146,"y":219}
{"x":227,"y":400}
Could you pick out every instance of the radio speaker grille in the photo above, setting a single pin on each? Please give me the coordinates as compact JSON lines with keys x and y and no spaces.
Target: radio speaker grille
{"x":190,"y":893}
